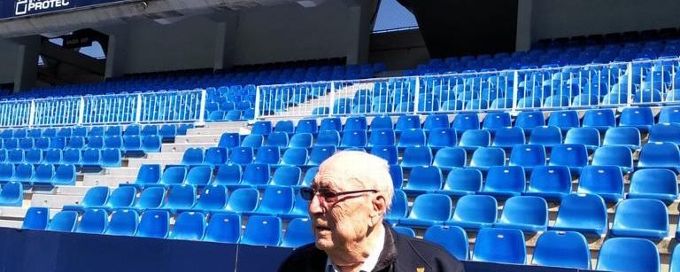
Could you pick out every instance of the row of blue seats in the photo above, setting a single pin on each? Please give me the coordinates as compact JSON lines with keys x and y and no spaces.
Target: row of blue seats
{"x":105,"y":157}
{"x":41,"y":174}
{"x":148,"y":143}
{"x":639,"y":117}
{"x":166,"y":131}
{"x":232,"y":115}
{"x":220,"y":227}
{"x":246,"y":155}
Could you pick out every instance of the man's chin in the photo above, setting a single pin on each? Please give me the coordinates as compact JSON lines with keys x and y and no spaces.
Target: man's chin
{"x":323,"y":244}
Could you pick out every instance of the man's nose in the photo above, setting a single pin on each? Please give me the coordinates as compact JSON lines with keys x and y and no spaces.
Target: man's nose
{"x":315,"y":206}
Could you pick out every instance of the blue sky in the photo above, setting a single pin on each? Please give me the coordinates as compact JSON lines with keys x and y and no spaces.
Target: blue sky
{"x":392,"y":15}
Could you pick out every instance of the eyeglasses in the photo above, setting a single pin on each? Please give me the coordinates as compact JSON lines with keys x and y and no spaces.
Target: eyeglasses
{"x":328,"y":196}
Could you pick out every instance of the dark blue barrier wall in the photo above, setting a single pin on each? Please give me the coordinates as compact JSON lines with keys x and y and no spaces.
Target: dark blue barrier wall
{"x":17,"y":8}
{"x":39,"y":251}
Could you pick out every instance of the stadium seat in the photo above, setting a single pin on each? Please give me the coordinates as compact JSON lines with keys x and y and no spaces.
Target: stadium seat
{"x":267,"y":155}
{"x":435,"y":121}
{"x":473,"y":139}
{"x":382,"y":122}
{"x":94,"y":197}
{"x":277,"y":200}
{"x":295,"y":157}
{"x":23,"y":173}
{"x":93,"y":221}
{"x":669,"y":115}
{"x":180,"y":197}
{"x":660,"y":155}
{"x":486,"y":157}
{"x":6,"y":171}
{"x":474,"y":212}
{"x":150,"y":198}
{"x":228,"y":174}
{"x":407,"y":122}
{"x":526,"y":213}
{"x":453,"y":239}
{"x":223,"y":228}
{"x":229,"y":140}
{"x":193,"y":156}
{"x":213,"y":198}
{"x":330,"y":123}
{"x":574,"y":156}
{"x":465,"y":121}
{"x":397,"y":175}
{"x":36,"y":218}
{"x":442,"y":137}
{"x":641,"y":118}
{"x":388,"y":153}
{"x":253,"y":141}
{"x":527,"y":156}
{"x":320,"y":154}
{"x":640,"y":255}
{"x":496,"y":120}
{"x":587,"y":136}
{"x":241,"y":155}
{"x":416,"y":156}
{"x":675,"y":260}
{"x":462,"y":181}
{"x":328,"y":138}
{"x":556,"y":101}
{"x":643,"y":218}
{"x":356,"y":123}
{"x":256,"y":174}
{"x":43,"y":174}
{"x":12,"y":194}
{"x":26,"y":143}
{"x":95,"y":142}
{"x":154,"y":224}
{"x":300,"y":140}
{"x":243,"y":200}
{"x":450,"y":157}
{"x":120,"y":198}
{"x":527,"y":121}
{"x":428,"y":210}
{"x":33,"y":156}
{"x":562,"y":249}
{"x":15,"y":156}
{"x":605,"y":181}
{"x":547,"y":136}
{"x":601,"y":119}
{"x":504,"y":181}
{"x":151,"y":143}
{"x":564,"y":120}
{"x":73,"y":142}
{"x":508,"y":137}
{"x":278,"y":139}
{"x":620,"y":156}
{"x":286,"y":176}
{"x":354,"y":139}
{"x":623,"y":136}
{"x":123,"y":223}
{"x":189,"y":226}
{"x":113,"y":142}
{"x":665,"y":133}
{"x":306,"y":126}
{"x":381,"y":137}
{"x":585,"y":213}
{"x":550,"y":182}
{"x":424,"y":179}
{"x":658,"y":184}
{"x":405,"y":231}
{"x":399,"y":208}
{"x":262,"y":231}
{"x":110,"y":157}
{"x":63,"y":221}
{"x":299,"y":210}
{"x":42,"y":143}
{"x":298,"y":233}
{"x":500,"y":246}
{"x":261,"y":128}
{"x":172,"y":175}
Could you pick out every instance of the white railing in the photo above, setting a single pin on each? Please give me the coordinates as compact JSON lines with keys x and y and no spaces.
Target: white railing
{"x":650,"y":82}
{"x":152,"y":107}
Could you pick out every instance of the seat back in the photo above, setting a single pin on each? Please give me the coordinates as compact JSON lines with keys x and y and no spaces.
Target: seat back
{"x":582,"y":211}
{"x":640,"y":255}
{"x":243,"y":200}
{"x":36,"y":218}
{"x":189,"y":226}
{"x":223,"y":228}
{"x":262,"y":231}
{"x":299,"y":233}
{"x":154,"y":224}
{"x":452,"y":238}
{"x":500,"y":246}
{"x":562,"y":249}
{"x":435,"y":207}
{"x":93,"y":221}
{"x":525,"y":210}
{"x":64,"y":221}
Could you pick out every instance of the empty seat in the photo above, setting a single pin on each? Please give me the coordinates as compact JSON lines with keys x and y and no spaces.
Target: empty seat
{"x":585,"y":213}
{"x":320,"y":154}
{"x":73,"y":142}
{"x":508,"y":137}
{"x":256,"y":175}
{"x":442,"y":137}
{"x":295,"y":157}
{"x":299,"y":233}
{"x":278,"y":139}
{"x":52,"y":156}
{"x":436,"y":121}
{"x":500,"y":246}
{"x":624,"y":136}
{"x":287,"y":176}
{"x":587,"y":136}
{"x":453,"y":239}
{"x":497,"y":120}
{"x":193,"y":156}
{"x":36,"y":218}
{"x":388,"y":153}
{"x":354,"y":138}
{"x":26,"y":143}
{"x":189,"y":226}
{"x":450,"y":157}
{"x":15,"y":156}
{"x":94,"y":197}
{"x":381,"y":137}
{"x":669,"y":115}
{"x":620,"y":156}
{"x":95,"y":142}
{"x":23,"y":173}
{"x":154,"y":224}
{"x":180,"y":197}
{"x":151,"y":143}
{"x":562,"y":249}
{"x":550,"y":182}
{"x":475,"y":212}
{"x":93,"y":221}
{"x":564,"y":120}
{"x":428,"y":210}
{"x":416,"y":156}
{"x":12,"y":194}
{"x":63,"y":221}
{"x":243,"y":200}
{"x":121,"y":197}
{"x":574,"y":156}
{"x":301,"y":140}
{"x":528,"y":156}
{"x":113,"y":142}
{"x":327,"y":138}
{"x":277,"y":200}
{"x":223,"y":228}
{"x":261,"y":128}
{"x":262,"y":231}
{"x":399,"y":208}
{"x":473,"y":139}
{"x":601,"y":119}
{"x":505,"y":181}
{"x":42,"y":143}
{"x":241,"y":155}
{"x":173,"y":175}
{"x":405,"y":231}
{"x":487,"y":157}
{"x":462,"y":181}
{"x":641,"y":118}
{"x":465,"y":121}
{"x":529,"y":120}
{"x":229,"y":140}
{"x":43,"y":174}
{"x":110,"y":157}
{"x":605,"y":181}
{"x":150,"y":198}
{"x":414,"y":137}
{"x":640,"y":255}
{"x":406,"y":122}
{"x":33,"y":156}
{"x":424,"y":179}
{"x":658,"y":184}
{"x":330,"y":123}
{"x":667,"y":133}
{"x":644,"y":218}
{"x":526,"y":213}
{"x":306,"y":126}
{"x":268,"y":155}
{"x":547,"y":136}
{"x":660,"y":155}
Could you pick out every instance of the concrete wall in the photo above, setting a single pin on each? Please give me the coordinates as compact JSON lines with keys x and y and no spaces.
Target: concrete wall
{"x":399,"y":50}
{"x":8,"y":61}
{"x":568,"y":18}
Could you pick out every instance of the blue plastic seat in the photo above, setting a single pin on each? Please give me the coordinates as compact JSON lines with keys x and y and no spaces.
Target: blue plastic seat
{"x":232,"y":115}
{"x":23,"y":173}
{"x":33,"y":156}
{"x":585,"y":100}
{"x":73,"y":142}
{"x":474,"y":212}
{"x":620,"y":156}
{"x":253,"y":141}
{"x":424,"y":179}
{"x":306,"y":126}
{"x":180,"y":197}
{"x":189,"y":226}
{"x":278,"y":139}
{"x":508,"y":137}
{"x":132,"y":143}
{"x":473,"y":139}
{"x":641,"y":118}
{"x":43,"y":174}
{"x":213,"y":198}
{"x":436,"y":121}
{"x":26,"y":143}
{"x":110,"y":157}
{"x":354,"y":139}
{"x":172,"y":175}
{"x":295,"y":157}
{"x":675,"y":260}
{"x":529,"y":120}
{"x":36,"y":218}
{"x":11,"y":143}
{"x":658,"y":184}
{"x":644,"y":218}
{"x":150,"y":198}
{"x":381,"y":137}
{"x":462,"y":181}
{"x":132,"y":130}
{"x":299,"y":233}
{"x":42,"y":143}
{"x":486,"y":157}
{"x":262,"y":231}
{"x":93,"y":221}
{"x":121,"y":197}
{"x":330,"y":123}
{"x":556,"y":101}
{"x":452,"y":238}
{"x":388,"y":153}
{"x":12,"y":194}
{"x":416,"y":156}
{"x":63,"y":221}
{"x":669,"y":115}
{"x":428,"y":210}
{"x":589,"y":137}
{"x":91,"y":158}
{"x":154,"y":224}
{"x":229,"y":140}
{"x":528,"y":156}
{"x":660,"y":155}
{"x":113,"y":142}
{"x":149,"y":130}
{"x":277,"y":200}
{"x":382,"y":122}
{"x":95,"y":142}
{"x":94,"y":197}
{"x":526,"y":213}
{"x":605,"y":181}
{"x":241,"y":155}
{"x":223,"y":228}
{"x":301,"y":140}
{"x":442,"y":137}
{"x":285,"y":126}
{"x":57,"y":142}
{"x":268,"y":155}
{"x":193,"y":156}
{"x":562,"y":249}
{"x":228,"y":174}
{"x":601,"y":119}
{"x":406,"y":122}
{"x":640,"y":255}
{"x":243,"y":200}
{"x":399,"y":208}
{"x":6,"y":171}
{"x":564,"y":120}
{"x":584,"y":213}
{"x":547,"y":136}
{"x":15,"y":156}
{"x":414,"y":137}
{"x":623,"y":136}
{"x":550,"y":182}
{"x":320,"y":154}
{"x":505,"y":181}
{"x":287,"y":176}
{"x":151,"y":143}
{"x":327,"y":138}
{"x":405,"y":231}
{"x":465,"y":121}
{"x":65,"y":132}
{"x":261,"y":128}
{"x":356,"y":123}
{"x":256,"y":174}
{"x":500,"y":246}
{"x":666,"y":132}
{"x":450,"y":157}
{"x":574,"y":156}
{"x":496,"y":120}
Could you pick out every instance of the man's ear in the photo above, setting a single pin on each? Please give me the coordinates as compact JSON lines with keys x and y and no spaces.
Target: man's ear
{"x":380,"y":204}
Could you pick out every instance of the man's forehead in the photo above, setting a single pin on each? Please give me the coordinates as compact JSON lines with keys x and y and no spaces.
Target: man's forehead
{"x":334,"y":178}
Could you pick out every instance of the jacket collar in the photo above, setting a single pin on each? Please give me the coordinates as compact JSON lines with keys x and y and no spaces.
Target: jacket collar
{"x":389,"y":254}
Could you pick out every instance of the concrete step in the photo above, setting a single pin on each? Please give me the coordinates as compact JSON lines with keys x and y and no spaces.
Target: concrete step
{"x":12,"y":224}
{"x":181,"y":147}
{"x":223,"y":125}
{"x":71,"y":190}
{"x":125,"y":171}
{"x":198,"y":139}
{"x":139,"y":162}
{"x":164,"y":156}
{"x":218,"y":131}
{"x":54,"y":201}
{"x":107,"y":180}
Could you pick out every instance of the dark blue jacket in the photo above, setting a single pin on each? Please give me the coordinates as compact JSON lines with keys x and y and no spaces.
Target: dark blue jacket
{"x":400,"y":254}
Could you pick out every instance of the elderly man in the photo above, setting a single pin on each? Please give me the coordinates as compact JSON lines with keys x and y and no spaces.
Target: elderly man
{"x":349,"y":198}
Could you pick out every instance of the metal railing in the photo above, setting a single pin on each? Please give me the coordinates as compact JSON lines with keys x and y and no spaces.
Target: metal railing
{"x":152,"y":107}
{"x":648,"y":82}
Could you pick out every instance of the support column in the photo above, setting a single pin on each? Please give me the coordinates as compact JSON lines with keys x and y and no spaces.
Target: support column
{"x":26,"y":74}
{"x":116,"y":55}
{"x":524,"y":19}
{"x":225,"y":40}
{"x":358,"y":30}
